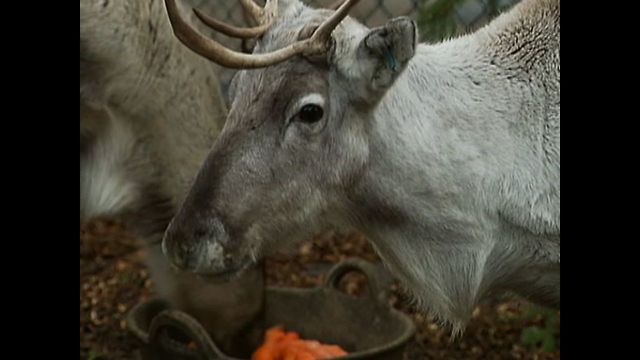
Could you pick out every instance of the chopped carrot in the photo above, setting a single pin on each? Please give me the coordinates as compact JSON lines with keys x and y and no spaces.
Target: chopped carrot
{"x":281,"y":345}
{"x":265,"y":352}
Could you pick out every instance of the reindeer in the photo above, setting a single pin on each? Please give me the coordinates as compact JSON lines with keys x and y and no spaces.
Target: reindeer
{"x":446,"y":156}
{"x":150,"y":109}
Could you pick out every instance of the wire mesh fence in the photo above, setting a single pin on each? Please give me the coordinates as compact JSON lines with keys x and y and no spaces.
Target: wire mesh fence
{"x":437,"y":19}
{"x":465,"y":14}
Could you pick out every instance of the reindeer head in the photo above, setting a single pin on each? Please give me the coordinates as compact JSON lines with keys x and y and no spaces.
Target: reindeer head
{"x":295,"y":142}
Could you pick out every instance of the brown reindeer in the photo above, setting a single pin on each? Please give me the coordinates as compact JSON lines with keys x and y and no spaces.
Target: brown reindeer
{"x":150,"y":110}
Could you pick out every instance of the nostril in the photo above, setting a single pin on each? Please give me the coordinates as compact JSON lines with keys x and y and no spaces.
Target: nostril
{"x":178,"y":259}
{"x":177,"y":256}
{"x":199,"y":233}
{"x":196,"y":244}
{"x":228,"y":259}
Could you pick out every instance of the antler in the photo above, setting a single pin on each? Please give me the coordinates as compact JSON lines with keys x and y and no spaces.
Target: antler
{"x":224,"y":56}
{"x":253,"y":9}
{"x":263,"y":16}
{"x":335,"y":5}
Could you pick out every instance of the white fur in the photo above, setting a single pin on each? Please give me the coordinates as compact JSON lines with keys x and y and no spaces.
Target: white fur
{"x":475,"y":166}
{"x":315,"y":99}
{"x":105,"y":188}
{"x":211,"y":256}
{"x":163,"y":101}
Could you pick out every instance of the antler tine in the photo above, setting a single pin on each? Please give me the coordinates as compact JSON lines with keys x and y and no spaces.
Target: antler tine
{"x":218,"y":53}
{"x":267,"y":16}
{"x":249,"y":19}
{"x":323,"y":32}
{"x":253,"y":9}
{"x":335,"y":5}
{"x":231,"y":30}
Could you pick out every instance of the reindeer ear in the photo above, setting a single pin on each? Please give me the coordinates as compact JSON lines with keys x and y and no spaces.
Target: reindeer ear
{"x":385,"y":52}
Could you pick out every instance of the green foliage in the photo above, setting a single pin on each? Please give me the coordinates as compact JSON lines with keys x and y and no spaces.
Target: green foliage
{"x":127,"y":278}
{"x":546,"y":337}
{"x":95,"y":355}
{"x":437,"y":19}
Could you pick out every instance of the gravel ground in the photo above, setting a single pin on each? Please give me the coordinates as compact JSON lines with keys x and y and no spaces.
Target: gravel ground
{"x":113,"y":278}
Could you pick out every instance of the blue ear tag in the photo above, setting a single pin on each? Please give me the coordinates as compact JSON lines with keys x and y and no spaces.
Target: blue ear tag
{"x":391,"y":61}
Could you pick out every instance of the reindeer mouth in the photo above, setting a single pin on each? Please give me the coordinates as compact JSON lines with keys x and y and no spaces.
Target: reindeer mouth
{"x":226,"y":275}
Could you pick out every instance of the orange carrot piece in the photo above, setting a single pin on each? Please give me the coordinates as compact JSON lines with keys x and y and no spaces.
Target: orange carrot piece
{"x":282,"y":345}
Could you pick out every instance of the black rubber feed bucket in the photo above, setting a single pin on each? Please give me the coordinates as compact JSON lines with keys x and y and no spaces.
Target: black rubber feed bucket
{"x":366,"y":327}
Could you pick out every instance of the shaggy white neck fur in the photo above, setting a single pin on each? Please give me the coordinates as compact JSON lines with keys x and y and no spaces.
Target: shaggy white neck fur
{"x":475,"y":156}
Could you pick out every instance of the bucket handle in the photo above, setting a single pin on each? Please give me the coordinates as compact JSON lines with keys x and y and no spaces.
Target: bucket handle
{"x":191,"y":328}
{"x":375,"y":282}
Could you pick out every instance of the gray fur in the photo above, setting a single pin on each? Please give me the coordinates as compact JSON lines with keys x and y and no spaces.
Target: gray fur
{"x":450,"y":163}
{"x":150,"y":111}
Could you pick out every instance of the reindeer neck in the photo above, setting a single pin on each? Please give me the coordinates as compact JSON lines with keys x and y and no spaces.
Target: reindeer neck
{"x":455,"y":148}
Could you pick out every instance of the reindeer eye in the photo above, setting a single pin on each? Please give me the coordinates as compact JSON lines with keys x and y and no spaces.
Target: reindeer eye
{"x":310,"y":113}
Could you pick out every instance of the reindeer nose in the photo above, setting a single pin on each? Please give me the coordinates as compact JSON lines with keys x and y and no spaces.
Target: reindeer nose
{"x":194,"y":246}
{"x":179,"y":256}
{"x":179,"y":245}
